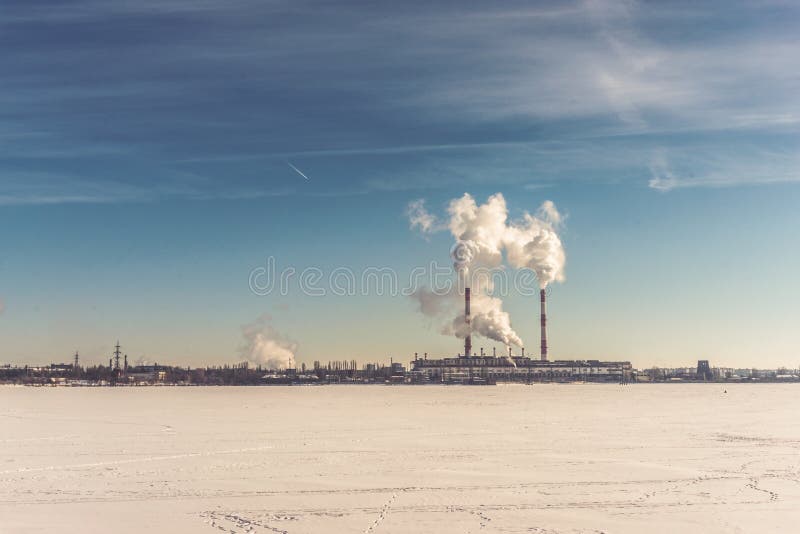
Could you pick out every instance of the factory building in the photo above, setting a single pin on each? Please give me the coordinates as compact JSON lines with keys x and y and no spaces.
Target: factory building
{"x":479,"y":369}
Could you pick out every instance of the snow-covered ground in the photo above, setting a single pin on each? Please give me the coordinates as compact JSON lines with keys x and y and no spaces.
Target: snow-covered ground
{"x":364,"y":459}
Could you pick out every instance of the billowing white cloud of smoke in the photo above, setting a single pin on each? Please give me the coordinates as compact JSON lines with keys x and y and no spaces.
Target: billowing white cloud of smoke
{"x":479,"y":231}
{"x":485,"y":231}
{"x":483,"y":234}
{"x":265,"y":346}
{"x":536,"y":245}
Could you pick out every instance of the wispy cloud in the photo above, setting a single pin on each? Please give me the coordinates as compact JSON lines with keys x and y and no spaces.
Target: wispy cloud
{"x":30,"y":189}
{"x":754,"y":167}
{"x":537,"y":186}
{"x":608,"y":59}
{"x":420,"y":218}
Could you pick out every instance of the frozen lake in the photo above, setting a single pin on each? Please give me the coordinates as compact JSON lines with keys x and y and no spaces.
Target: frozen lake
{"x":364,"y":459}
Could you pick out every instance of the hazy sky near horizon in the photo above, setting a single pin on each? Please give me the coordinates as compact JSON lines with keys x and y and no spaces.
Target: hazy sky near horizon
{"x":146,"y":153}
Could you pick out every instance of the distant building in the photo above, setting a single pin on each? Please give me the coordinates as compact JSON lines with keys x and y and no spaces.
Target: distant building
{"x":704,"y":370}
{"x":146,"y":374}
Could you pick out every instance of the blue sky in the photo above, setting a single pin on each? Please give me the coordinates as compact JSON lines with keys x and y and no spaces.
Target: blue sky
{"x":144,"y":150}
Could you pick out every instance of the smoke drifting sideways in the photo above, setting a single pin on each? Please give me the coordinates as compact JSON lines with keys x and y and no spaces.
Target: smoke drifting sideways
{"x":486,"y":238}
{"x":265,"y":346}
{"x":445,"y":309}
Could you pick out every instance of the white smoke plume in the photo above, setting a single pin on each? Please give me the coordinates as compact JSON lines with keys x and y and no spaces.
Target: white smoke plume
{"x":532,"y":242}
{"x":484,"y":238}
{"x":419,"y":217}
{"x":478,"y":230}
{"x":266,"y":347}
{"x":487,"y":317}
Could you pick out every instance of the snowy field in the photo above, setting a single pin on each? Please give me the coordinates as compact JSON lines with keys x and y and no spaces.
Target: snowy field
{"x":364,"y":459}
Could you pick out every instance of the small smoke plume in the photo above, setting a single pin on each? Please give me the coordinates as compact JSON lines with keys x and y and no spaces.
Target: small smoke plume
{"x":266,"y":347}
{"x":419,"y":217}
{"x":549,"y":214}
{"x":484,"y":238}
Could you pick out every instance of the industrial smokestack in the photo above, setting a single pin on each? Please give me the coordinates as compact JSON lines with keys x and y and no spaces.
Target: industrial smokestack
{"x":468,"y":338}
{"x":544,"y":324}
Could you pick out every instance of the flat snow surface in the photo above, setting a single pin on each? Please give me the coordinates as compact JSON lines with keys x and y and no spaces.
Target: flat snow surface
{"x":394,"y":459}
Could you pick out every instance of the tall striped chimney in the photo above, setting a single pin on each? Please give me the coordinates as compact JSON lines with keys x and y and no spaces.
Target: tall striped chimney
{"x":543,"y":314}
{"x":468,"y":338}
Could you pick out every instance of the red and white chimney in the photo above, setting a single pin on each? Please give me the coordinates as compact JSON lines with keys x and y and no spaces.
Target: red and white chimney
{"x":468,"y":337}
{"x":543,"y":314}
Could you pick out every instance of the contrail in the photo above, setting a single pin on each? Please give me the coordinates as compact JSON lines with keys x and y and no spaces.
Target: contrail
{"x":298,"y":171}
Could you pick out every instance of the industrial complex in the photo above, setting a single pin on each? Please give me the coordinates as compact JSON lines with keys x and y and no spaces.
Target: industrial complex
{"x":480,"y":368}
{"x":493,"y":369}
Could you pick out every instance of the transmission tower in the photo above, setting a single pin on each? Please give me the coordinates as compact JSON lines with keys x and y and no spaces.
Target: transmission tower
{"x":117,"y":354}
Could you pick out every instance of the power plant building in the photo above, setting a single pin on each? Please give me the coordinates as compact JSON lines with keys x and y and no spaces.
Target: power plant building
{"x":475,"y":369}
